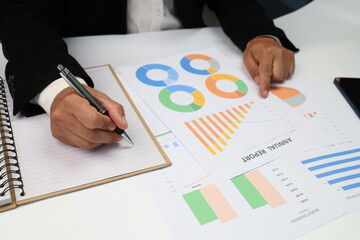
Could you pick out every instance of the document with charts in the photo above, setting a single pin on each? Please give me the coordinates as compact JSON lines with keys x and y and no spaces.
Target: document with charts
{"x":284,"y":199}
{"x":215,"y":111}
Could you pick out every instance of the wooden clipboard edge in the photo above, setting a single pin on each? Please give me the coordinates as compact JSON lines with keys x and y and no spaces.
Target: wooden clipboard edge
{"x":167,"y":160}
{"x":115,"y":178}
{"x":88,"y":185}
{"x":8,"y":207}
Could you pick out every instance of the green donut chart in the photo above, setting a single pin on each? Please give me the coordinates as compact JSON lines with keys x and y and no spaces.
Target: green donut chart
{"x":198,"y":98}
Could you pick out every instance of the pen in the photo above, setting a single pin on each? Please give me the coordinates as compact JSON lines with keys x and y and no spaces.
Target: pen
{"x":75,"y":84}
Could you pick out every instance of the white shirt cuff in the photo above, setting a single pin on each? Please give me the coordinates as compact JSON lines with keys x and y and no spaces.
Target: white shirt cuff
{"x":45,"y":98}
{"x":276,"y":39}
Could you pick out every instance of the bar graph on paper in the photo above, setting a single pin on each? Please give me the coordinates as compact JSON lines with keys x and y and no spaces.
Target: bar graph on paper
{"x":339,"y":169}
{"x":209,"y":203}
{"x":310,"y":115}
{"x":214,"y":131}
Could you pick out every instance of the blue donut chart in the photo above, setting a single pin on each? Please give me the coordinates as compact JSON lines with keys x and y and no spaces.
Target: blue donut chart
{"x":172,"y":77}
{"x":185,"y":63}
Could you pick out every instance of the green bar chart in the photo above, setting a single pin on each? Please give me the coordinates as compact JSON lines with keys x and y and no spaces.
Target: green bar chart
{"x":209,"y":204}
{"x":200,"y":207}
{"x":248,"y":191}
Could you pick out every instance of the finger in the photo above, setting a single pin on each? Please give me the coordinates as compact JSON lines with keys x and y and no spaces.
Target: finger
{"x":76,"y":130}
{"x":252,"y":65}
{"x":265,"y":73}
{"x":63,"y":133}
{"x":91,"y":118}
{"x":98,"y":136}
{"x":93,"y":126}
{"x":292,"y":68}
{"x":280,"y":68}
{"x":284,"y":65}
{"x":116,"y":112}
{"x":69,"y":138}
{"x":68,"y":104}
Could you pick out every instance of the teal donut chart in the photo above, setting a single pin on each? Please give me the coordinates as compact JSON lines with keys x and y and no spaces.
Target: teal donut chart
{"x":185,"y":63}
{"x":172,"y":77}
{"x":198,"y":98}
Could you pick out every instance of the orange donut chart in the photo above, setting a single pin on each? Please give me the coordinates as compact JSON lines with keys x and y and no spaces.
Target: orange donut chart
{"x":241,"y":90}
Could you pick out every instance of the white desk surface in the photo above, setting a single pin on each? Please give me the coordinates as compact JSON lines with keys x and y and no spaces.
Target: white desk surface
{"x":327,"y":33}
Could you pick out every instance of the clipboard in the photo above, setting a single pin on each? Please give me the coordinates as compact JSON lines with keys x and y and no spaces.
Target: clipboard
{"x":36,"y":166}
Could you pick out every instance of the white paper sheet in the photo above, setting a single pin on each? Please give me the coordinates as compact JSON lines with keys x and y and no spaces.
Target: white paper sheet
{"x":215,"y":111}
{"x":295,"y":200}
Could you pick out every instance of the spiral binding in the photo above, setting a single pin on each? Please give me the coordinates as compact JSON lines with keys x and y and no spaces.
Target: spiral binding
{"x":8,"y":155}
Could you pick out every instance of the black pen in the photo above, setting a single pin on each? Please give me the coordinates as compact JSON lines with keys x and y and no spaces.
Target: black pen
{"x":74,"y":83}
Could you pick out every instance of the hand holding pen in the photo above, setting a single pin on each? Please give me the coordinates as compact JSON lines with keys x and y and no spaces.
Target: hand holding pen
{"x":76,"y":122}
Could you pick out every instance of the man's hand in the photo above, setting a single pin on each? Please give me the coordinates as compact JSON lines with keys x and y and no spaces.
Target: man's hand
{"x":267,"y":61}
{"x":75,"y":122}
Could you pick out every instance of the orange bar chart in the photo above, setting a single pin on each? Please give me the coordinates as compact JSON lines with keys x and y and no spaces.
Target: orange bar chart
{"x":218,"y":203}
{"x":257,"y":190}
{"x":198,"y":136}
{"x":223,"y":123}
{"x":207,"y":135}
{"x":266,"y":189}
{"x":214,"y":130}
{"x":218,"y":127}
{"x":233,"y":116}
{"x":238,"y":113}
{"x":228,"y":120}
{"x":243,"y":109}
{"x":310,"y":115}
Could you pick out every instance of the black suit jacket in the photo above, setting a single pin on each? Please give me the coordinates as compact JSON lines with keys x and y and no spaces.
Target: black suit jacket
{"x":31,"y":32}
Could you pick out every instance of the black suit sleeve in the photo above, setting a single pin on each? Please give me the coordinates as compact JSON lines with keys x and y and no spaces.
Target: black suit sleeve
{"x":241,"y":20}
{"x":29,"y":32}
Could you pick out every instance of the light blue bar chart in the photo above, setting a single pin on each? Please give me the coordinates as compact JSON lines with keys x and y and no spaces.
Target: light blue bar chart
{"x":342,"y":179}
{"x":341,"y":169}
{"x":343,"y":153}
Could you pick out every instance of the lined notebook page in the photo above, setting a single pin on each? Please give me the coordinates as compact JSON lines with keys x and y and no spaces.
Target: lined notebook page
{"x":48,"y":165}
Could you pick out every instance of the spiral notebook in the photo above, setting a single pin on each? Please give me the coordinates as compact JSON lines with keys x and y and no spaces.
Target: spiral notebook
{"x":35,"y":166}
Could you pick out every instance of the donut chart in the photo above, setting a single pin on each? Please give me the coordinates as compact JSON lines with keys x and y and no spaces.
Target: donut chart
{"x":185,"y":63}
{"x":198,"y":98}
{"x":172,"y":77}
{"x":241,"y":90}
{"x":291,"y":96}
